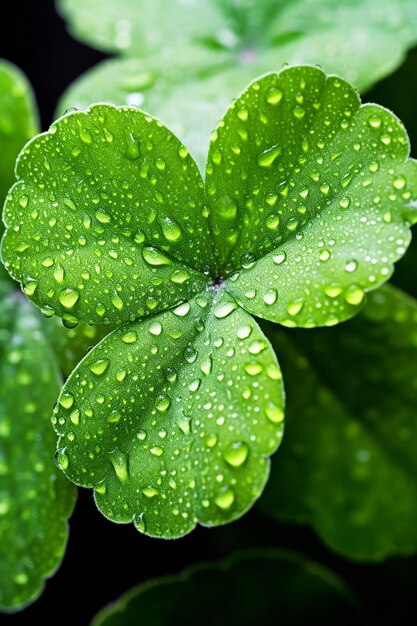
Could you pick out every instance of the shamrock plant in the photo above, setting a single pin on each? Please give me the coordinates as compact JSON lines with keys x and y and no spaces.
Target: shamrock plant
{"x":306,"y":205}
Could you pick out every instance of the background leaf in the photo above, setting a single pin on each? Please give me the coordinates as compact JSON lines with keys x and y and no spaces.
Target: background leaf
{"x":18,"y":121}
{"x":348,"y":462}
{"x":311,"y":194}
{"x":256,"y":587}
{"x":361,"y":41}
{"x":170,"y":419}
{"x":35,"y":499}
{"x":107,"y":220}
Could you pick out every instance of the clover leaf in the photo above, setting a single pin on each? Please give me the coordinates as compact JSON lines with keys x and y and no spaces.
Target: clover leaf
{"x":348,"y":463}
{"x":35,"y":500}
{"x":261,"y":579}
{"x":172,"y":417}
{"x":225,"y":48}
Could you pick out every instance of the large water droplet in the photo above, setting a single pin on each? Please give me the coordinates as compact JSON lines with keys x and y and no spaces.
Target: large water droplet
{"x":236,"y":453}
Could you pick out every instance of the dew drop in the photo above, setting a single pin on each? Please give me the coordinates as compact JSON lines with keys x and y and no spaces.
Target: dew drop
{"x":66,"y":400}
{"x":223,"y":309}
{"x":154,"y":257}
{"x":236,"y":453}
{"x":99,"y":367}
{"x":351,"y":266}
{"x":120,"y":465}
{"x":270,"y":297}
{"x":274,"y":96}
{"x":61,"y":458}
{"x":68,"y":297}
{"x":171,"y":230}
{"x":129,"y":337}
{"x":267,"y":157}
{"x":225,"y":499}
{"x":274,"y":412}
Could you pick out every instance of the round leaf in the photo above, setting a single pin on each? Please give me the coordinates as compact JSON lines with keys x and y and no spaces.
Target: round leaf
{"x":107,"y":222}
{"x":249,"y":588}
{"x":18,"y":120}
{"x":349,"y":461}
{"x":140,"y":27}
{"x":311,"y":194}
{"x":35,"y":500}
{"x":171,"y":419}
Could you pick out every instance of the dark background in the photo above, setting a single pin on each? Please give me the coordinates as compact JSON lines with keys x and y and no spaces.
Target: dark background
{"x":104,"y":559}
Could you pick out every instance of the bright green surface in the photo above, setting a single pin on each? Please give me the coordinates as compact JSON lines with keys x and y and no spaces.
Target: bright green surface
{"x":110,"y":222}
{"x":248,"y":588}
{"x":113,"y":235}
{"x":171,"y":420}
{"x":35,"y":500}
{"x":349,"y":459}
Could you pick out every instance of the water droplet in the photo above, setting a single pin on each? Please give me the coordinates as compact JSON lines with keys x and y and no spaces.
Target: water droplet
{"x":150,"y":492}
{"x":68,"y":297}
{"x":129,"y":337}
{"x":270,"y":297}
{"x":274,"y":412}
{"x":120,"y":464}
{"x":243,"y":115}
{"x":162,"y":403}
{"x":99,"y":367}
{"x":139,"y":522}
{"x":399,"y":182}
{"x":253,"y":368}
{"x":374,"y":121}
{"x":244,"y":331}
{"x":132,"y":147}
{"x":324,"y":255}
{"x":182,"y":310}
{"x":102,"y":217}
{"x":354,"y":295}
{"x":236,"y":453}
{"x":274,"y":95}
{"x":59,"y":273}
{"x":295,"y":307}
{"x":351,"y":266}
{"x":225,"y":499}
{"x":153,"y":256}
{"x":179,"y":276}
{"x":155,"y":328}
{"x":117,"y":302}
{"x":171,"y":230}
{"x":66,"y":400}
{"x":61,"y":458}
{"x":272,"y":221}
{"x":279,"y":258}
{"x":298,"y":112}
{"x":223,"y":309}
{"x":267,"y":157}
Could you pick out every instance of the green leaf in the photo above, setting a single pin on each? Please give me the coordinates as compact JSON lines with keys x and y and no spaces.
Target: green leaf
{"x":248,"y":588}
{"x":363,"y":41}
{"x":107,"y":220}
{"x":311,"y":193}
{"x":170,"y":419}
{"x":35,"y":499}
{"x":140,"y":28}
{"x":348,"y":465}
{"x":18,"y":120}
{"x":73,"y":222}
